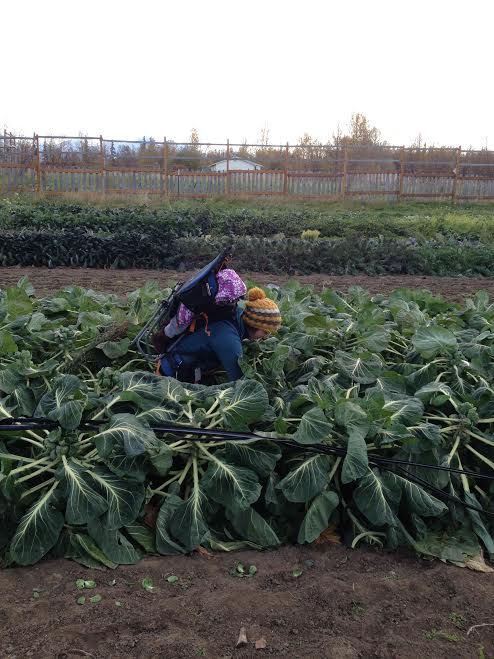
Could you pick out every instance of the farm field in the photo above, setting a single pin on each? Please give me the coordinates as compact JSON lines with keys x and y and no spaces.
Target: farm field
{"x":369,"y":381}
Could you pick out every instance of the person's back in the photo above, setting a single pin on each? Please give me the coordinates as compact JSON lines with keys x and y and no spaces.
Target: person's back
{"x":218,"y":344}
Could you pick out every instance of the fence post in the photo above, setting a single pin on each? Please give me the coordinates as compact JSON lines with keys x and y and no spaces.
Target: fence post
{"x":38,"y":166}
{"x":454,"y":192}
{"x":345,"y":167}
{"x":165,"y":168}
{"x":402,"y":170}
{"x":285,"y":179}
{"x":227,"y":186}
{"x":102,"y":164}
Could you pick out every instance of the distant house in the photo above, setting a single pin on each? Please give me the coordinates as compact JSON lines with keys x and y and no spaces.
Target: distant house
{"x":235,"y":163}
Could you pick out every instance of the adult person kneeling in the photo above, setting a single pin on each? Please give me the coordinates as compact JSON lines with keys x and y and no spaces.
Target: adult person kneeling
{"x":219,"y":343}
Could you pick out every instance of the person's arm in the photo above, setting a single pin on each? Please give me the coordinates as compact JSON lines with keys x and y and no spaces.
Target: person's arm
{"x":227,"y":347}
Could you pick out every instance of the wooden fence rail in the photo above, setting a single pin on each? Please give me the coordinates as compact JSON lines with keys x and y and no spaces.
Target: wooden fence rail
{"x":395,"y":173}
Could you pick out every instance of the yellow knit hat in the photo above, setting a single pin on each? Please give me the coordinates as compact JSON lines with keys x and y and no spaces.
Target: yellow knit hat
{"x":261,"y":312}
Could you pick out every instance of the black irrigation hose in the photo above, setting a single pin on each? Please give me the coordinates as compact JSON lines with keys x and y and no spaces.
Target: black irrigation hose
{"x":374,"y":460}
{"x":214,"y":434}
{"x":33,"y":423}
{"x":321,"y":448}
{"x":440,"y":493}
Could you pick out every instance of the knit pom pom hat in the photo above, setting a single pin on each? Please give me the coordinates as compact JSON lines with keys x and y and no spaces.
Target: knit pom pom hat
{"x":260,"y":312}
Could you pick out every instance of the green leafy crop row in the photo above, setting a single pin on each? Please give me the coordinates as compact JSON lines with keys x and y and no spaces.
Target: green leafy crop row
{"x":408,"y":377}
{"x":179,"y":219}
{"x":131,"y":249}
{"x":437,"y":240}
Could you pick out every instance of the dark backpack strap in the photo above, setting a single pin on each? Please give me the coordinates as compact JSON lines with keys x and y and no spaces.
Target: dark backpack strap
{"x":221,"y":312}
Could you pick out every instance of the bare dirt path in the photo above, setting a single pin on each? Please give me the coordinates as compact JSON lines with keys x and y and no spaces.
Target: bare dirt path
{"x":47,"y":281}
{"x":345,"y":604}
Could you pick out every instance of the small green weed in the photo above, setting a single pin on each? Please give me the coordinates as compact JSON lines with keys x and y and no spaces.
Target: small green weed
{"x":391,"y":575}
{"x":357,"y":609}
{"x":441,"y":634}
{"x":458,"y":620}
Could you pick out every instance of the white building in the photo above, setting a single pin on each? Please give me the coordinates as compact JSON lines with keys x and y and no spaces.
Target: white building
{"x":235,"y":163}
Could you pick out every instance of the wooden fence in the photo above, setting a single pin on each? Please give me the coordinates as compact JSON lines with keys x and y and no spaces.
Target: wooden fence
{"x":393,"y":173}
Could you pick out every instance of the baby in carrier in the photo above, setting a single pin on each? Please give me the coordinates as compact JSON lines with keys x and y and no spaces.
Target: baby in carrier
{"x":230,"y":289}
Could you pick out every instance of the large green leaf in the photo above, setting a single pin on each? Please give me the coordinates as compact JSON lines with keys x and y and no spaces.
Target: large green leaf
{"x":143,"y":536}
{"x":307,"y":479}
{"x":352,"y":417}
{"x":83,"y":550}
{"x":376,"y":339}
{"x":251,"y":526}
{"x":245,"y":403}
{"x":21,"y":402}
{"x":375,"y":499}
{"x":38,"y":530}
{"x":93,"y":319}
{"x":54,"y":305}
{"x":115,"y":349}
{"x":20,"y":398}
{"x":317,"y":517}
{"x":165,"y":544}
{"x":405,"y":411}
{"x":64,"y":403}
{"x":229,"y":484}
{"x":161,"y":458}
{"x":7,"y":344}
{"x":124,"y":497}
{"x":478,"y":525}
{"x":121,"y":464}
{"x":37,"y":321}
{"x":113,"y":543}
{"x":390,"y":383}
{"x":356,"y":462}
{"x":313,"y":427}
{"x":261,"y":457}
{"x":129,"y":432}
{"x":276,"y":502}
{"x":9,"y":380}
{"x":433,"y":340}
{"x":433,"y":389}
{"x":83,"y":501}
{"x":143,"y":388}
{"x":417,"y":498}
{"x":162,"y":415}
{"x":457,"y":546}
{"x":173,"y":390}
{"x":364,"y":368}
{"x":17,"y":302}
{"x":187,"y":523}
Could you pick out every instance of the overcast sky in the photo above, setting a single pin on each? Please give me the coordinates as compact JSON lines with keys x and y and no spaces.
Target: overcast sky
{"x":231,"y":67}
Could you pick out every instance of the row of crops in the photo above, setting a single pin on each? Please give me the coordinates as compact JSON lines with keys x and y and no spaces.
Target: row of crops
{"x":336,"y":425}
{"x":408,"y":239}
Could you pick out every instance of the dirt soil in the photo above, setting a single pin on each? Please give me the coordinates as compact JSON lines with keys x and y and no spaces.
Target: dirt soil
{"x":345,"y":604}
{"x":47,"y":281}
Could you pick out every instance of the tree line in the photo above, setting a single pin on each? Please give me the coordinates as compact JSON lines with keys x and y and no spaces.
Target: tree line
{"x":359,"y":148}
